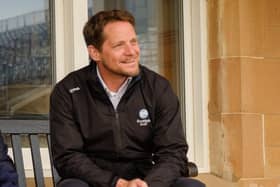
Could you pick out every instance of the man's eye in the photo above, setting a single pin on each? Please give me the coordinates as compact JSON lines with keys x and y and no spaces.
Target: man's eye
{"x":117,"y":45}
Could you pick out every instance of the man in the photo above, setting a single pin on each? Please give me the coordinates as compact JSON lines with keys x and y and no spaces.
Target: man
{"x":8,"y":175}
{"x":115,"y":123}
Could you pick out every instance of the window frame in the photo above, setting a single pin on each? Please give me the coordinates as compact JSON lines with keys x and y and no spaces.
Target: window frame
{"x":196,"y":81}
{"x":70,"y":49}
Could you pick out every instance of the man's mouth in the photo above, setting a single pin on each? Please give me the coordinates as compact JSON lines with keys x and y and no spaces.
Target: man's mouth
{"x":129,"y":61}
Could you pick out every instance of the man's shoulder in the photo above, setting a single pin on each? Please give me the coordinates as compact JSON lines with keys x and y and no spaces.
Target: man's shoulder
{"x":73,"y":80}
{"x":153,"y":77}
{"x":75,"y":76}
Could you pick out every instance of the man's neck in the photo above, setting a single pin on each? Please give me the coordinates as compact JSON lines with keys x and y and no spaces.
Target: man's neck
{"x":113,"y":83}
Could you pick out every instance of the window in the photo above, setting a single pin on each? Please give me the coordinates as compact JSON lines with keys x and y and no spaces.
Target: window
{"x":25,"y":59}
{"x":196,"y":78}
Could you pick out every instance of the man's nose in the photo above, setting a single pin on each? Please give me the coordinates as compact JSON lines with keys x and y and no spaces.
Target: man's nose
{"x":129,"y":49}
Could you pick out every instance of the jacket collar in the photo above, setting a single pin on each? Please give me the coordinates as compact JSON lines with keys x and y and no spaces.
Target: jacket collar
{"x":95,"y":85}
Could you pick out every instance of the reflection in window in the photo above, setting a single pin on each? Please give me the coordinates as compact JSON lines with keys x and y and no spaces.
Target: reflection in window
{"x":157,"y":30}
{"x":25,"y":62}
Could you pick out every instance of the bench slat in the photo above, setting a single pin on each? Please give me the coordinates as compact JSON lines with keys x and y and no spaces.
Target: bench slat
{"x":18,"y":159}
{"x":36,"y":159}
{"x":55,"y":175}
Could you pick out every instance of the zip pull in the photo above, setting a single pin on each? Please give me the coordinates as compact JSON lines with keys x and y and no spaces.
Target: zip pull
{"x":117,"y":115}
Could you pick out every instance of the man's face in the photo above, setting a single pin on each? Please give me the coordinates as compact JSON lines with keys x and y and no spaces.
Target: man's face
{"x":119,"y":55}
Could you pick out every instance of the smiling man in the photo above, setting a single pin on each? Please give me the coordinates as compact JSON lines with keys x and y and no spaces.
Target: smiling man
{"x":118,"y":57}
{"x":115,"y":123}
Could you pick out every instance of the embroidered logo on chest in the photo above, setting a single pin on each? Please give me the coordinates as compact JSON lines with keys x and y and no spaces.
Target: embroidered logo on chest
{"x":143,"y":117}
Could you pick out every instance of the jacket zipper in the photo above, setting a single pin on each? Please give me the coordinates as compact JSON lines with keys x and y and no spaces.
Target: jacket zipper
{"x":118,"y":137}
{"x":118,"y":134}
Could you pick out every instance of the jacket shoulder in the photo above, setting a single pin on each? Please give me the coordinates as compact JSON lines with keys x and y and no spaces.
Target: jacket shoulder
{"x":73,"y":79}
{"x":155,"y":80}
{"x":74,"y":76}
{"x":153,"y":85}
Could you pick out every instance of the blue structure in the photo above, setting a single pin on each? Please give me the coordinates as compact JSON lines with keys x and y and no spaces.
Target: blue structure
{"x":25,"y":49}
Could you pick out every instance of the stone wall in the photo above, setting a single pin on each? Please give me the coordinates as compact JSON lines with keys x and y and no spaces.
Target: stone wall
{"x":244,"y":83}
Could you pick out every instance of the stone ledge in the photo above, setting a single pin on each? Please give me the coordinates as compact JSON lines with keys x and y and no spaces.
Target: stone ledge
{"x":259,"y":182}
{"x":213,"y":181}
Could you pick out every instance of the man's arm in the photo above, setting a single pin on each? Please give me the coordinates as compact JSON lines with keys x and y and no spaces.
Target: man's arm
{"x":8,"y":174}
{"x":170,"y":146}
{"x":67,"y":144}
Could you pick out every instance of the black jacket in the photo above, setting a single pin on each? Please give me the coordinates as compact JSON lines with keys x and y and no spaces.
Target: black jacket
{"x":94,"y":142}
{"x":8,"y":174}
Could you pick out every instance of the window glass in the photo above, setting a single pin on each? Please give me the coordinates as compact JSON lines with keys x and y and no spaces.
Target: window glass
{"x":25,"y":59}
{"x":157,"y":30}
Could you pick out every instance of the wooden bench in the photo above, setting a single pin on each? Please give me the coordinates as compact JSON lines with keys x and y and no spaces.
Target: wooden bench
{"x":35,"y":130}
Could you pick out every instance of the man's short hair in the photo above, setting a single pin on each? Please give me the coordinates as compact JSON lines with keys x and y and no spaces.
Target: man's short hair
{"x":93,"y":29}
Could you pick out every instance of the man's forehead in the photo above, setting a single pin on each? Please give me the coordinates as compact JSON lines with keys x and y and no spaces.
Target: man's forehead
{"x":115,"y":33}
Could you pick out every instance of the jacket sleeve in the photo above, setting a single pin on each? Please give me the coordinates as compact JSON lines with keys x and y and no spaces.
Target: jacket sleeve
{"x":8,"y":175}
{"x":67,"y":143}
{"x":170,"y":147}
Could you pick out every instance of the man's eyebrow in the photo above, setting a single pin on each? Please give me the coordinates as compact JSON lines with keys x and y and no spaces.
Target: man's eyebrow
{"x":117,"y":42}
{"x":123,"y":41}
{"x":134,"y":39}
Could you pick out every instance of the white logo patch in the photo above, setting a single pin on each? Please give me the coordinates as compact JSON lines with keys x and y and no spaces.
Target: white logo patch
{"x":72,"y":90}
{"x":143,"y":115}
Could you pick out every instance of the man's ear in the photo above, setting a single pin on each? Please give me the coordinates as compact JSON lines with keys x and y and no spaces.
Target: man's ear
{"x":93,"y":53}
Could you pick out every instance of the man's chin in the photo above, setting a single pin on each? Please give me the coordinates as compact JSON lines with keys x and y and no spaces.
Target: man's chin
{"x":132,"y":73}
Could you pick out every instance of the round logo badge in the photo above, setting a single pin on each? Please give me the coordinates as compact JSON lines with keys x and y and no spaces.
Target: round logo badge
{"x":143,"y":113}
